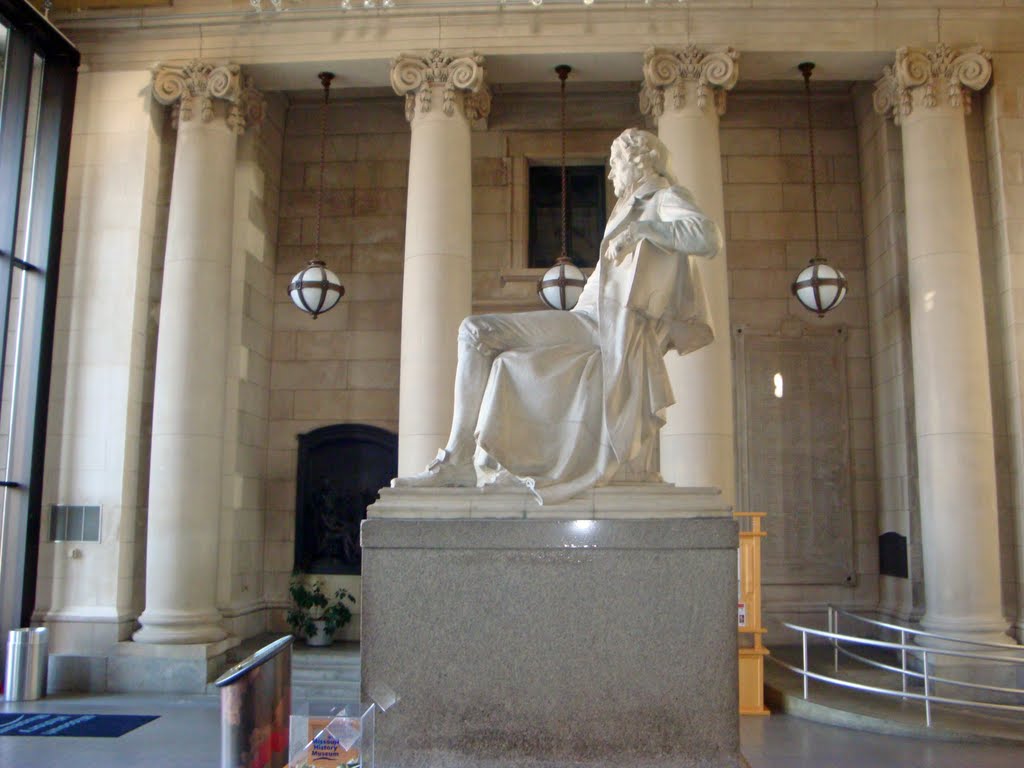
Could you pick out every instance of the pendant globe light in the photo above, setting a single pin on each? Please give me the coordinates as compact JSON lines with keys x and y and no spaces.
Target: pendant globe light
{"x":316,"y":289}
{"x":561,"y":286}
{"x":820,"y":287}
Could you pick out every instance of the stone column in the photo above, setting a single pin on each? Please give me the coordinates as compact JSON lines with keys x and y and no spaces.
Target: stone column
{"x":684,"y":91}
{"x":212,"y":105}
{"x":443,"y":93}
{"x":925,"y":91}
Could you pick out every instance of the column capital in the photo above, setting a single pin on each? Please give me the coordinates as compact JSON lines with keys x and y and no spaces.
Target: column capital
{"x":198,"y":83}
{"x":668,"y":69}
{"x":415,"y":77}
{"x":922,"y":77}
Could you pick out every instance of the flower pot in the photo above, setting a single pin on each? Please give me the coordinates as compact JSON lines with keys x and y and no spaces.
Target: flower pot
{"x":320,"y":637}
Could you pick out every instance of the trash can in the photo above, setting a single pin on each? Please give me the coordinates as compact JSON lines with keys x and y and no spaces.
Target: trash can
{"x":25,"y":672}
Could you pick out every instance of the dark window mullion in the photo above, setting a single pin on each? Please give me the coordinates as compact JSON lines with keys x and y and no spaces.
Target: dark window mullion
{"x":13,"y":124}
{"x":17,"y":89}
{"x":53,"y":146}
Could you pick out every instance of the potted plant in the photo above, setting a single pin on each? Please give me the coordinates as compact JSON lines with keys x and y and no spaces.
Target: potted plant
{"x":315,"y":615}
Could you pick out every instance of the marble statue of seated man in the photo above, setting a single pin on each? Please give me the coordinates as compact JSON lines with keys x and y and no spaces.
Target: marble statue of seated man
{"x":564,"y":401}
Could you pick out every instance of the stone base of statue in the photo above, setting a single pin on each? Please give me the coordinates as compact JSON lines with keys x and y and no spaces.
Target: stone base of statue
{"x":598,"y":632}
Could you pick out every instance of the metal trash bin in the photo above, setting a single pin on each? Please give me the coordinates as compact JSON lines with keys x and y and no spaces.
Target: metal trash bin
{"x":25,"y":671}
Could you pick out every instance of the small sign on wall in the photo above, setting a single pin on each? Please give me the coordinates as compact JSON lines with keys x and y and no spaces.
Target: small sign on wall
{"x":741,"y":614}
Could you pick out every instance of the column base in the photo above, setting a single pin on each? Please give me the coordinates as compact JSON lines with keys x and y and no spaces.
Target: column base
{"x":974,"y":671}
{"x":966,"y":629}
{"x":179,"y":628}
{"x":166,"y":668}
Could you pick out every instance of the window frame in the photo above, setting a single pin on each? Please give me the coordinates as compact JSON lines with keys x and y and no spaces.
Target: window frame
{"x":30,"y":35}
{"x":518,"y":269}
{"x":532,"y":210}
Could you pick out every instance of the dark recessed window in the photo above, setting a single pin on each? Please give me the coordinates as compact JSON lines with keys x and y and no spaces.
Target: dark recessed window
{"x":585,"y":212}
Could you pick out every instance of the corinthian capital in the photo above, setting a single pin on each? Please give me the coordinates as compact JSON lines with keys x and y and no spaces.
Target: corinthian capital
{"x":194,"y":86}
{"x":921,"y":77}
{"x":666,"y":70}
{"x":415,"y":77}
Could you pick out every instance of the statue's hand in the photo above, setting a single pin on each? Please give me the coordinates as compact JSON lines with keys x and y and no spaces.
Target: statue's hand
{"x":621,"y":244}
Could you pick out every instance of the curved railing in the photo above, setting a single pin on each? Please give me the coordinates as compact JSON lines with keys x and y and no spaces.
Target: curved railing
{"x":845,"y":645}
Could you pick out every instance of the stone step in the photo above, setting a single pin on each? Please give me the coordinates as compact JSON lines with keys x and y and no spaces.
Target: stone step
{"x":323,"y":664}
{"x":325,"y":675}
{"x":307,"y":660}
{"x":344,"y":693}
{"x":346,"y":653}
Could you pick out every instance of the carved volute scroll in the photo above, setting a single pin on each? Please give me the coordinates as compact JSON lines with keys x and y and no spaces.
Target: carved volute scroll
{"x":940,"y":75}
{"x":667,"y":70}
{"x":415,"y":77}
{"x":192,"y":87}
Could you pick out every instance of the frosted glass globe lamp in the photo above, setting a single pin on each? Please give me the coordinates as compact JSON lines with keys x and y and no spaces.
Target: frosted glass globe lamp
{"x":561,"y":286}
{"x":820,"y":287}
{"x":315,"y":289}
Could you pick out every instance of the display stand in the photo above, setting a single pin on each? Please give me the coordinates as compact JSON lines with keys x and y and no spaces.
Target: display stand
{"x":332,"y":736}
{"x":751,"y":629}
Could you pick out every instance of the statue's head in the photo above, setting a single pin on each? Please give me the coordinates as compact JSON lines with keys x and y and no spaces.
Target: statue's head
{"x":635,"y":155}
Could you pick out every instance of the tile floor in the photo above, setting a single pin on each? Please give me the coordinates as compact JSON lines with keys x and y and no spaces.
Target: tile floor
{"x":188,"y":730}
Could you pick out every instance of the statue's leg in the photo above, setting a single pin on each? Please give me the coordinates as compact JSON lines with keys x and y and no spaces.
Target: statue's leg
{"x":481,"y":339}
{"x":471,"y":374}
{"x":453,"y":466}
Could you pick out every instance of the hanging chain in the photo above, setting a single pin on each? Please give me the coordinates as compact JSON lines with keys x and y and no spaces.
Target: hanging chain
{"x":325,"y":80}
{"x":806,"y":68}
{"x":563,"y":71}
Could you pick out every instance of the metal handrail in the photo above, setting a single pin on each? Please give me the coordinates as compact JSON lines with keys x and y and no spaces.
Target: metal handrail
{"x":896,"y":646}
{"x":899,"y":694}
{"x":928,"y":697}
{"x":923,"y":633}
{"x":912,"y":673}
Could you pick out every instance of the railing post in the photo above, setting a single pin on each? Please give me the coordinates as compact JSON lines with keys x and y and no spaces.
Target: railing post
{"x":927,"y":693}
{"x":903,"y":659}
{"x":803,"y":638}
{"x":833,"y":621}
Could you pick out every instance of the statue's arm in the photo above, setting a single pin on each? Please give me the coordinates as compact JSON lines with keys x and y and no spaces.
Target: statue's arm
{"x":680,"y":226}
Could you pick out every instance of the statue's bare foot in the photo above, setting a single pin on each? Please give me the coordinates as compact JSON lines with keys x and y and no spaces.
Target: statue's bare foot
{"x":442,"y":472}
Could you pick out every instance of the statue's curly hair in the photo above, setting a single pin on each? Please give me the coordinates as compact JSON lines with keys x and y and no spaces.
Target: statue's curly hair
{"x":646,"y":150}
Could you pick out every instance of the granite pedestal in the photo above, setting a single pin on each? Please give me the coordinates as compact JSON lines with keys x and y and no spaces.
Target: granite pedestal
{"x":598,"y":640}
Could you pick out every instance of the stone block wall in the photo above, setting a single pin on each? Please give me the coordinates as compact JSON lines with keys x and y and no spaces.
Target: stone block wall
{"x":885,"y":239}
{"x":257,"y":198}
{"x":1004,"y":142}
{"x":343,"y":366}
{"x":995,"y":323}
{"x":769,"y":232}
{"x":89,"y":593}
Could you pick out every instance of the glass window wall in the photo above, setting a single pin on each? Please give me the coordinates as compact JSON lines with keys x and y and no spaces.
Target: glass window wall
{"x":38,"y":72}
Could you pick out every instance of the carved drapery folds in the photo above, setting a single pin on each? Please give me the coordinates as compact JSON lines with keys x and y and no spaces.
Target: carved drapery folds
{"x":940,"y":73}
{"x":192,"y":87}
{"x":415,"y":77}
{"x":665,"y":71}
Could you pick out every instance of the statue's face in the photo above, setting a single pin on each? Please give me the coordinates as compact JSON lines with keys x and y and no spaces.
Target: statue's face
{"x":624,"y":172}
